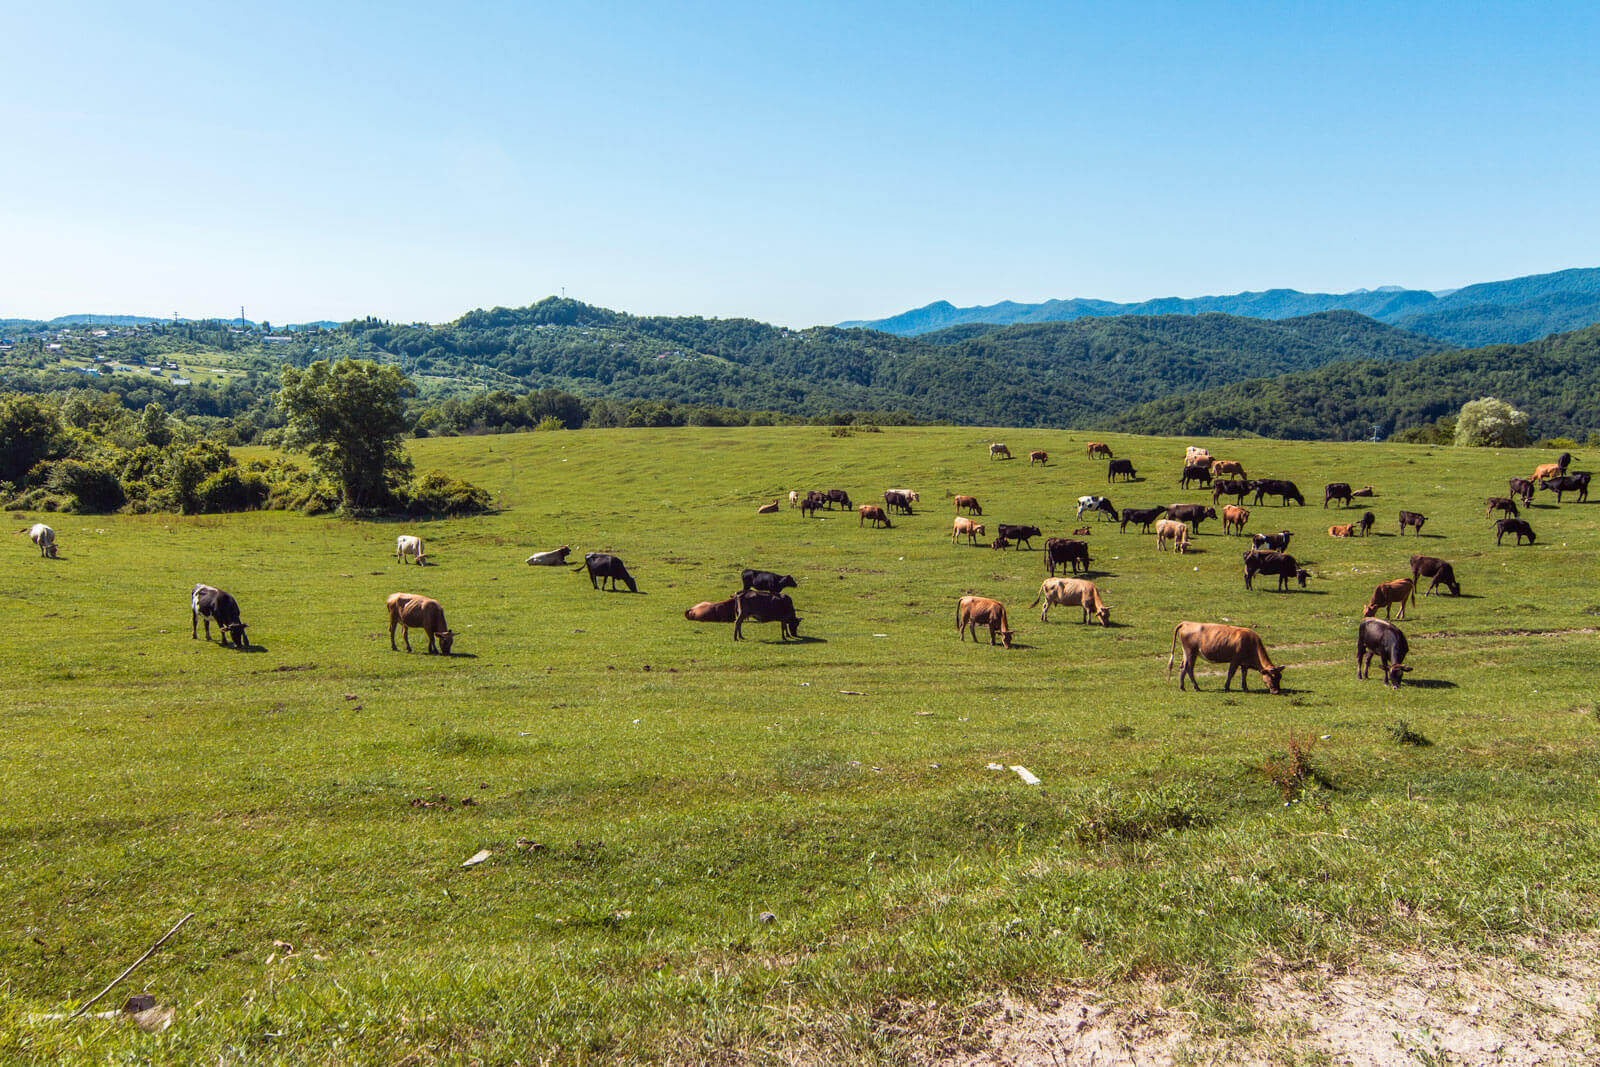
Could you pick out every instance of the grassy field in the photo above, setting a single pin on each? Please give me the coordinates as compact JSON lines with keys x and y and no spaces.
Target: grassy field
{"x":703,"y":849}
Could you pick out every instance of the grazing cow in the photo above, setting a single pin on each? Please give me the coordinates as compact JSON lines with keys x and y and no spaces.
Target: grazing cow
{"x":910,"y":494}
{"x":1522,"y":489}
{"x":766,"y":581}
{"x":876,"y":514}
{"x":1040,"y":457}
{"x":1365,"y":524}
{"x":794,"y":498}
{"x":1174,"y":531}
{"x":838,"y":496}
{"x":602,"y":566}
{"x":208,"y":603}
{"x":1412,"y":519}
{"x":554,"y":558}
{"x":1519,"y":527}
{"x":1236,"y":488}
{"x":1141,"y":517}
{"x":1278,"y":542}
{"x":755,"y":606}
{"x":1240,"y":648}
{"x":1383,"y":639}
{"x":1060,"y":551}
{"x":964,"y":525}
{"x":1568,"y":483}
{"x":1194,"y":514}
{"x":1339,"y":491}
{"x":44,"y":537}
{"x":1552,"y":470}
{"x":1504,"y":504}
{"x":1070,"y":593}
{"x":997,"y":450}
{"x":408,"y":611}
{"x":1347,"y":530}
{"x":1388,"y":594}
{"x":1123,"y":467}
{"x":1197,"y":473}
{"x":407,"y":545}
{"x":768,"y":509}
{"x":1281,"y":489}
{"x":1234,"y":518}
{"x":1096,"y":503}
{"x":1278,"y":564}
{"x":1228,"y":466}
{"x":975,"y":611}
{"x":810,"y":506}
{"x":970,"y":503}
{"x":1365,"y":490}
{"x":999,"y":544}
{"x":1098,"y":448}
{"x":1020,"y":534}
{"x":897,"y":500}
{"x":1437,"y":569}
{"x":713,"y":611}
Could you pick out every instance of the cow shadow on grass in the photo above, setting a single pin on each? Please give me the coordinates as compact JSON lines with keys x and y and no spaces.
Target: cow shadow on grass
{"x":456,"y":655}
{"x":253,"y":648}
{"x":796,"y":640}
{"x":1430,"y":683}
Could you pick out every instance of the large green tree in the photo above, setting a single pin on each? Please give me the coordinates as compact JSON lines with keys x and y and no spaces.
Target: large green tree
{"x":349,"y":417}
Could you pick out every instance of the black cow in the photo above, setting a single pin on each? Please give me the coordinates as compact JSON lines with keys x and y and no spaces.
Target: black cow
{"x":1193,"y":514}
{"x":1018,"y":534}
{"x":1381,"y":638}
{"x":1123,"y":467}
{"x":602,"y":566}
{"x":1519,"y":527}
{"x":1437,"y":569}
{"x":1198,"y":473}
{"x":766,"y":581}
{"x":756,"y":606}
{"x":1522,"y":489}
{"x":1279,"y":488}
{"x":1366,"y":523}
{"x":837,"y":496}
{"x":1412,"y":519}
{"x":1278,"y":542}
{"x":811,"y":505}
{"x":1061,"y":551}
{"x":1237,"y":488}
{"x":895,"y":500}
{"x":1276,"y":563}
{"x":1577,"y":482}
{"x":1339,"y":491}
{"x":1141,"y":517}
{"x":208,"y":603}
{"x":1504,"y":504}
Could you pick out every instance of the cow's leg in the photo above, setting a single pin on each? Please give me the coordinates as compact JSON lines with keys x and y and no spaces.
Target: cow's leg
{"x":207,"y":620}
{"x":405,"y":635}
{"x":392,"y":622}
{"x":194,"y":624}
{"x":432,"y":651}
{"x":1188,"y":668}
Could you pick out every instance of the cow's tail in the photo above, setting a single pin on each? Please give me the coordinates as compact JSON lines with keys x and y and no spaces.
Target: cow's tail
{"x":1037,"y":598}
{"x":579,"y":567}
{"x":1174,"y":654}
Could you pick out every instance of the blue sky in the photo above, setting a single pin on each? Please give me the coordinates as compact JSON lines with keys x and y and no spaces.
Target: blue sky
{"x":797,"y":164}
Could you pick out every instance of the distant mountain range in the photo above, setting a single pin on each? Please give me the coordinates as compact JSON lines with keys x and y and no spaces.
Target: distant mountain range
{"x":1504,"y":312}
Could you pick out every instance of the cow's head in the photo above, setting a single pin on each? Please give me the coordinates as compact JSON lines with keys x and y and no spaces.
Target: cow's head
{"x":1273,"y":676}
{"x":1301,"y":575}
{"x":1370,"y":611}
{"x":1005,"y":638}
{"x":1396,"y":672}
{"x":446,"y":639}
{"x":787,"y":582}
{"x":236,"y":630}
{"x":1103,"y":613}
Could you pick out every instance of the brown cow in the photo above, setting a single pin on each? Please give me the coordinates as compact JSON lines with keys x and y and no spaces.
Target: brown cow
{"x":1220,"y":467}
{"x":1234,"y":517}
{"x":976,"y":611}
{"x":970,"y":503}
{"x":1387,"y":595}
{"x":1347,"y":530}
{"x":1040,"y":457}
{"x":1218,"y":642}
{"x":713,"y":611}
{"x":1072,"y":592}
{"x":1099,"y":448}
{"x":1174,"y":531}
{"x":407,"y":610}
{"x":964,"y":525}
{"x":768,"y":509}
{"x":1551,"y":470}
{"x":1502,"y":504}
{"x":876,"y":514}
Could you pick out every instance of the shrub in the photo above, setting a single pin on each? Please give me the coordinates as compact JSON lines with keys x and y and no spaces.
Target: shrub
{"x":89,"y":486}
{"x":436,"y":493}
{"x":232,"y":490}
{"x":1491,"y":423}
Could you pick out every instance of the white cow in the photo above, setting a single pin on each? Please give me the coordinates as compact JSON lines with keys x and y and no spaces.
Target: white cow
{"x":407,"y":545}
{"x":911,"y":495}
{"x":794,"y":498}
{"x":44,"y":537}
{"x":554,"y":558}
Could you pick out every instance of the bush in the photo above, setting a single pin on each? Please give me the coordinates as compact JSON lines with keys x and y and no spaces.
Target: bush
{"x":89,"y":486}
{"x":1491,"y":423}
{"x":436,"y":493}
{"x":232,"y":490}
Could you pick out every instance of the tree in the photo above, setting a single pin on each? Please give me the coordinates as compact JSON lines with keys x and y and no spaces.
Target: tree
{"x":1491,"y":423}
{"x":349,"y":417}
{"x":30,"y":431}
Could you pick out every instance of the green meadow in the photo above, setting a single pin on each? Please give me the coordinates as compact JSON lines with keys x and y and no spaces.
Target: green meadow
{"x":767,"y":850}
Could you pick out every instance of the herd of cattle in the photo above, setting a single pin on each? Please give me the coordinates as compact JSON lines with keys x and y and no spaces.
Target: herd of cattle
{"x":762,"y":598}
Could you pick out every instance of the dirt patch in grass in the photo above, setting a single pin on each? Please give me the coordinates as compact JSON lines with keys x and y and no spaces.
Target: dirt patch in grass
{"x":1400,"y":1008}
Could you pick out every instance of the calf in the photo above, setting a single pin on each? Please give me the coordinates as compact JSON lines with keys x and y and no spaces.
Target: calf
{"x":755,"y":606}
{"x":997,"y":451}
{"x":1060,"y":551}
{"x":1236,"y":489}
{"x":554,"y":558}
{"x":1193,"y":514}
{"x":1366,"y":523}
{"x":1521,"y":488}
{"x":999,"y":544}
{"x":794,"y":498}
{"x":970,"y":503}
{"x":1072,"y":592}
{"x":1198,"y":473}
{"x":1365,"y":490}
{"x":1174,"y":531}
{"x":1503,"y":504}
{"x":1383,"y":639}
{"x":1240,"y":648}
{"x":810,"y":506}
{"x":408,"y":610}
{"x":601,"y":567}
{"x":1096,"y":503}
{"x":407,"y":545}
{"x":975,"y":611}
{"x":1227,"y":466}
{"x":1577,"y":482}
{"x":766,"y":581}
{"x":713,"y":611}
{"x":1278,"y":542}
{"x":1097,"y":448}
{"x":208,"y":603}
{"x":1412,"y":519}
{"x":965,"y":526}
{"x":1284,"y":491}
{"x":1123,"y":467}
{"x":1437,"y":569}
{"x":44,"y":537}
{"x":1388,"y":594}
{"x":1019,"y":534}
{"x":1040,"y":457}
{"x":1519,"y":527}
{"x":897,"y":500}
{"x":1141,"y":517}
{"x":1347,"y":530}
{"x":876,"y":514}
{"x":1234,"y":518}
{"x":1339,"y":491}
{"x":1278,"y":564}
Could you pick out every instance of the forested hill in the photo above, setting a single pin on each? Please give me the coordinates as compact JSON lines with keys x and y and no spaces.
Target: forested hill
{"x":1055,"y":374}
{"x":1555,"y":380}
